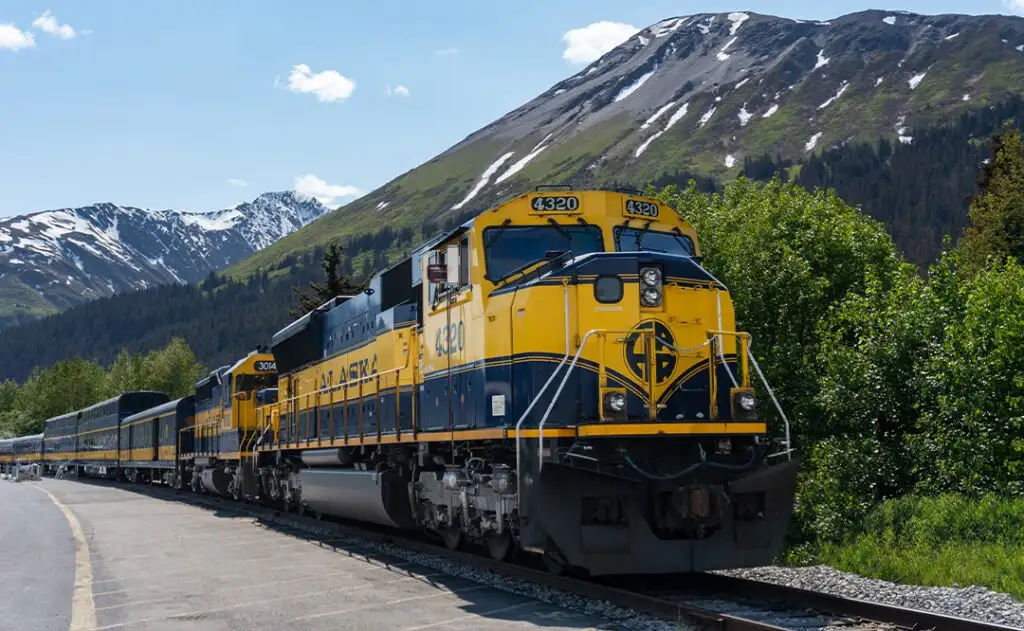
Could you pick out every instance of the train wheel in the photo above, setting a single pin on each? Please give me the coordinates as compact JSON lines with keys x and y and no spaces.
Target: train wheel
{"x":500,"y":546}
{"x":452,"y":537}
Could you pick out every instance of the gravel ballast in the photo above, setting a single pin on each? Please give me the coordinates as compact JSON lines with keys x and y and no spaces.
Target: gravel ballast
{"x":973,"y":602}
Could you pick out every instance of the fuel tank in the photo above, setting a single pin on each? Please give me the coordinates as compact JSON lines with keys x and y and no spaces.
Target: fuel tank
{"x":379,"y":498}
{"x":216,"y":481}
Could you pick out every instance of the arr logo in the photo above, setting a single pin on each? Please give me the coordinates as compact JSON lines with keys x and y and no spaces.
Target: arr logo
{"x":636,"y":351}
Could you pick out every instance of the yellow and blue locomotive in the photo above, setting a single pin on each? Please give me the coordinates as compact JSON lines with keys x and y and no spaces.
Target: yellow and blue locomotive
{"x":559,"y":375}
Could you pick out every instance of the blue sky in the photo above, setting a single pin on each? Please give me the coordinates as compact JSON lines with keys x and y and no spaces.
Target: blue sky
{"x":200,"y":105}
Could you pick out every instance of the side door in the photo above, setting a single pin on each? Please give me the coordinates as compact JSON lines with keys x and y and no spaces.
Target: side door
{"x":452,"y":363}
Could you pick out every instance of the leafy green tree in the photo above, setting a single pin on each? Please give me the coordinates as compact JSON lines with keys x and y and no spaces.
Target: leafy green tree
{"x":997,"y":211}
{"x":869,"y":392}
{"x":173,"y":369}
{"x":66,"y":386}
{"x":973,"y":430}
{"x":127,"y":373}
{"x":788,"y":257}
{"x":335,"y":283}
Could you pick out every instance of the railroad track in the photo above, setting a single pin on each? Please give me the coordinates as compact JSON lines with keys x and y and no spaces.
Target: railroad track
{"x":712,"y":602}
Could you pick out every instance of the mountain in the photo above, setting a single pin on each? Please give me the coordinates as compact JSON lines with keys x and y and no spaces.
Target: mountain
{"x":699,"y":95}
{"x":58,"y":258}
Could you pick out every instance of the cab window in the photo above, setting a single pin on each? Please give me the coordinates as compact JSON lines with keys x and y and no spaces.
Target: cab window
{"x":633,"y":240}
{"x":509,"y":249}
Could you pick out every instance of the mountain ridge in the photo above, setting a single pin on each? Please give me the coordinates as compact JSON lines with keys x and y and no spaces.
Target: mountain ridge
{"x":700,"y":94}
{"x":53,"y":259}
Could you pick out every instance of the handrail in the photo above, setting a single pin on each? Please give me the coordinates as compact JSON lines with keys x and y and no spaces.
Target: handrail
{"x":789,"y":445}
{"x":348,"y":383}
{"x":568,"y":372}
{"x":519,"y":423}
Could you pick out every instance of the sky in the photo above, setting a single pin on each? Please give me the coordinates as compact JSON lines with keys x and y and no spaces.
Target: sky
{"x":198,"y":105}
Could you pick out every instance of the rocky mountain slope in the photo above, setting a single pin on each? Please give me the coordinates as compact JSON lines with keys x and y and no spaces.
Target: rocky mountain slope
{"x":54,"y":259}
{"x":699,"y":94}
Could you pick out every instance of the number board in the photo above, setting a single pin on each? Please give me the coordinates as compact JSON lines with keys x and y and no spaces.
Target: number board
{"x":640,"y":208}
{"x":555,"y":203}
{"x":265,"y":366}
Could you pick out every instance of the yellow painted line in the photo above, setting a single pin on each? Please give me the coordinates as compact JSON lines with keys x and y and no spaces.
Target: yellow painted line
{"x":653,"y":429}
{"x":83,"y":607}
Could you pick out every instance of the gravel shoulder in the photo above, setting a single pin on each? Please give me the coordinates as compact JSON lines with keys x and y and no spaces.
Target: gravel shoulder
{"x":973,"y":602}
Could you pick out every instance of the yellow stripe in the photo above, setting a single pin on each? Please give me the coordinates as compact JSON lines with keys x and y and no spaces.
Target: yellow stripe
{"x":110,"y":454}
{"x":653,"y":429}
{"x":408,"y":436}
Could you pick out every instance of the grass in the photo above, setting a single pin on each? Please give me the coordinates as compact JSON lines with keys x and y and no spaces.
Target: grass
{"x":939,"y":541}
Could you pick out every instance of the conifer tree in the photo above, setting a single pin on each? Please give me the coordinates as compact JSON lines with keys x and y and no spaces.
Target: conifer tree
{"x":997,"y":211}
{"x":336,"y":284}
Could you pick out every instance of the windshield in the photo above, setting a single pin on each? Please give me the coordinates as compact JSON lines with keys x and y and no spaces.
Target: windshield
{"x":632,"y":240}
{"x":245,"y":383}
{"x":511,"y":248}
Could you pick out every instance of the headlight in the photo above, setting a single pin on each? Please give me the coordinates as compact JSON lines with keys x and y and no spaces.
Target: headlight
{"x":616,"y":402}
{"x":650,"y":297}
{"x":746,"y":401}
{"x":651,"y":276}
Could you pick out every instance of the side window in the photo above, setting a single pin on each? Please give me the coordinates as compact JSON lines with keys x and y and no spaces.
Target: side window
{"x":437,"y":257}
{"x":464,"y":262}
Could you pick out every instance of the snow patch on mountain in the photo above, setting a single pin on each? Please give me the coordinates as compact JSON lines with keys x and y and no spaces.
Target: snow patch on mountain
{"x":822,"y":59}
{"x":832,"y":99}
{"x":744,"y":116}
{"x":633,"y":87}
{"x":675,"y":118}
{"x":485,"y":178}
{"x":737,"y":20}
{"x":654,"y":117}
{"x":813,"y":142}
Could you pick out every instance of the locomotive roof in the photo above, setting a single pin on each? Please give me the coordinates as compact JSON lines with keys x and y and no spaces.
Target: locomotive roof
{"x":117,"y":399}
{"x":170,"y":406}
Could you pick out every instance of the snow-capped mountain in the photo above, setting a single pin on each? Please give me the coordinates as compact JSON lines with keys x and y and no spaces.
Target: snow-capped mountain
{"x":54,"y":259}
{"x":701,"y":93}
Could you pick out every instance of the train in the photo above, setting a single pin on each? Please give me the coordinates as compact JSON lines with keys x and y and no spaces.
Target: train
{"x":557,"y":376}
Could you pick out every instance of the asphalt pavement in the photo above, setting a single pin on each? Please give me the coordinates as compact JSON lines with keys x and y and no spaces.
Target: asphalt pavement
{"x":154,"y":564}
{"x":37,"y":560}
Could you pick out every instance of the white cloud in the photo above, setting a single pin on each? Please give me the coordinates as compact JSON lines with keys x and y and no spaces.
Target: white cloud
{"x":398,"y":90}
{"x":309,"y":185}
{"x":13,"y":38}
{"x":1017,"y":6}
{"x":48,"y":24}
{"x":234,"y":181}
{"x":447,"y":52}
{"x":584,"y":45}
{"x":328,"y":86}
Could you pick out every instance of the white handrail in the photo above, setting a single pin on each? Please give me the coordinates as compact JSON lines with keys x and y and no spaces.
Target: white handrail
{"x":771,"y":393}
{"x":519,"y":423}
{"x":554,"y":399}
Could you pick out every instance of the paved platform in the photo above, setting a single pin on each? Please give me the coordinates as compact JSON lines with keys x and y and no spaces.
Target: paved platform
{"x":37,"y":560}
{"x":156,"y":564}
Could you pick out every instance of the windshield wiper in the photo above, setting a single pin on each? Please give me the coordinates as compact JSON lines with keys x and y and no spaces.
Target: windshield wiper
{"x":527,"y":268}
{"x":500,"y":230}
